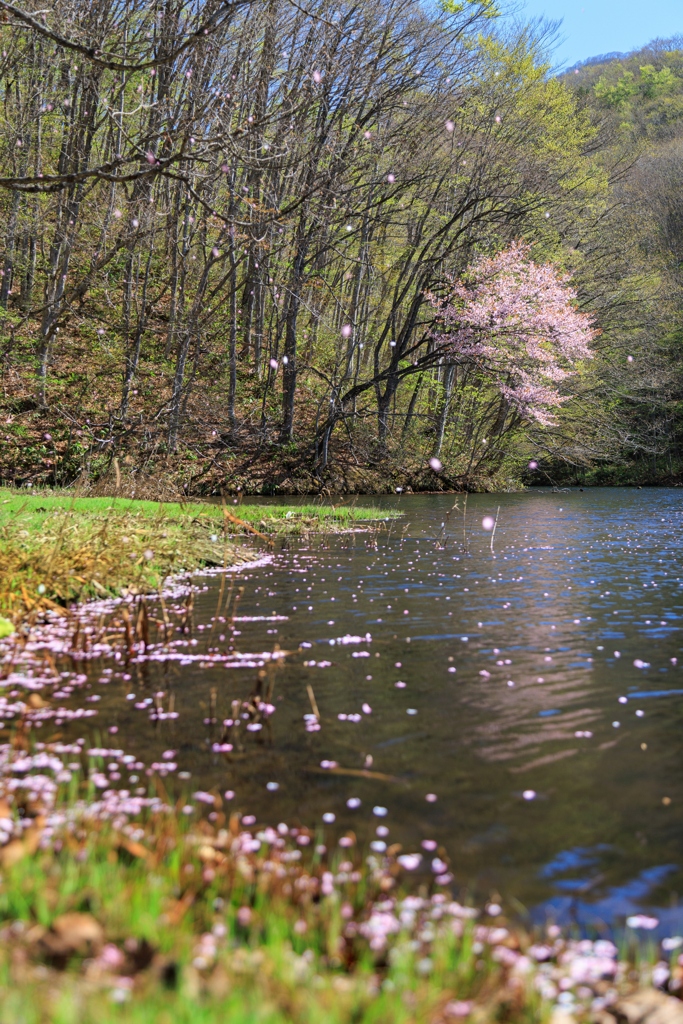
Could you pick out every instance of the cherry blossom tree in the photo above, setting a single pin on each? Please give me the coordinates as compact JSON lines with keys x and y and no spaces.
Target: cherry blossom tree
{"x":518,"y":323}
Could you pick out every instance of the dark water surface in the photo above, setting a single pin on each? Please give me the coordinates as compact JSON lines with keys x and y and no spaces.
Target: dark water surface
{"x":542,"y":703}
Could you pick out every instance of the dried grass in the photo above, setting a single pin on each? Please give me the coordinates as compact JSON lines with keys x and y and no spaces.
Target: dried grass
{"x":59,"y":547}
{"x":67,"y":555}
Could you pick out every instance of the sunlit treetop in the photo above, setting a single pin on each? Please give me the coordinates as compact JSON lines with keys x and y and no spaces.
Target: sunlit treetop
{"x":487,"y":8}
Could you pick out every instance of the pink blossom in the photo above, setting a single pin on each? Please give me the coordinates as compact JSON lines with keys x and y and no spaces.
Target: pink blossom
{"x":203,"y":797}
{"x":410,"y":861}
{"x":244,"y":916}
{"x":378,"y":928}
{"x":587,"y":969}
{"x":111,"y":957}
{"x":642,"y":921}
{"x":459,"y":1008}
{"x":517,"y":321}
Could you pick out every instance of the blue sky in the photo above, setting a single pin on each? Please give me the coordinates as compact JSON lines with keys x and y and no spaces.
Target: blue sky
{"x":590,"y":27}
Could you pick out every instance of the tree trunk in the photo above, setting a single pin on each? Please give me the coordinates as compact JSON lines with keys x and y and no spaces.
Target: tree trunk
{"x":411,"y":408}
{"x":133,"y":356}
{"x":10,"y":241}
{"x":449,"y":377}
{"x":289,"y":370}
{"x":232,"y":346}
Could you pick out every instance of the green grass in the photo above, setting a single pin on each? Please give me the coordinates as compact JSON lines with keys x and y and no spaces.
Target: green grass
{"x":33,"y":507}
{"x":295,"y":960}
{"x":173,"y":943}
{"x":58,"y":547}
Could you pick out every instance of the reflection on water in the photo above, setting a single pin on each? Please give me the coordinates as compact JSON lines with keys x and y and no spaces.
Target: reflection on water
{"x":534,"y":690}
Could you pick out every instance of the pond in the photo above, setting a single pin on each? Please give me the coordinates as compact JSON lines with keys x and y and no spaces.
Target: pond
{"x":515,"y":698}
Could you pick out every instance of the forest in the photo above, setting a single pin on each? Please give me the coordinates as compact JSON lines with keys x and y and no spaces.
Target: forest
{"x":338,"y":246}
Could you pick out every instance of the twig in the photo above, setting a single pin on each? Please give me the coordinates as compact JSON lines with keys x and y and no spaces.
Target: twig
{"x":311,"y":697}
{"x":240,"y":522}
{"x":493,"y":532}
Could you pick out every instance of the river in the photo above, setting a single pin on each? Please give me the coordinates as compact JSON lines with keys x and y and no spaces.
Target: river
{"x":516,"y":700}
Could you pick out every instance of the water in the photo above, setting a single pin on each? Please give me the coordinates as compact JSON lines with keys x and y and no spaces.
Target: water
{"x":562,"y":792}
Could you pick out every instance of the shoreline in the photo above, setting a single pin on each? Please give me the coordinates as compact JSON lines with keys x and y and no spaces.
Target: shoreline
{"x":119,"y":906}
{"x":57,"y":548}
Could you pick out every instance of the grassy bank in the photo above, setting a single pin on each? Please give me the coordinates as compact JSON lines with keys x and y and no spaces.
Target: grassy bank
{"x":57,"y":547}
{"x":221,"y":922}
{"x":178,"y":919}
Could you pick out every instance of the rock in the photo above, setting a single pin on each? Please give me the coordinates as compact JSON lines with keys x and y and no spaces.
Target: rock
{"x":648,"y":1006}
{"x":560,"y":1016}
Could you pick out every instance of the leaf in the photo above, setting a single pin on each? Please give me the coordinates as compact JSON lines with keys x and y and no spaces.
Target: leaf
{"x":17,"y":849}
{"x":134,"y":849}
{"x":72,"y":934}
{"x":247,"y":526}
{"x":12,"y":853}
{"x":6,"y":628}
{"x":179,"y":908}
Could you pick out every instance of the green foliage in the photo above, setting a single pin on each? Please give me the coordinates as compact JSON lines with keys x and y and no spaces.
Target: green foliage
{"x":625,"y":422}
{"x":294,"y":960}
{"x":616,"y":94}
{"x":404,"y":183}
{"x":650,"y":84}
{"x":655,"y":83}
{"x":488,"y":8}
